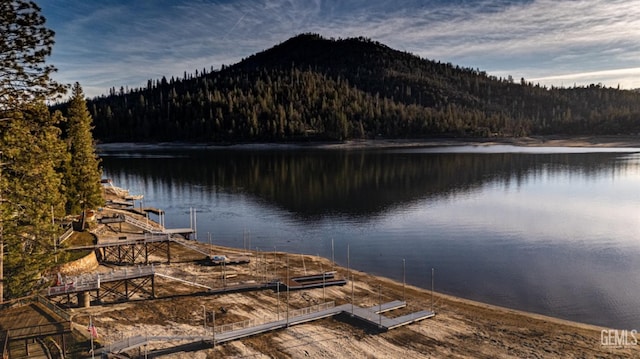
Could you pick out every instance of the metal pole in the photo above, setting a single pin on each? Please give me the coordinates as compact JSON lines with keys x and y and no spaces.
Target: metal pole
{"x":214,"y":328}
{"x":91,"y":334}
{"x":348,"y":262}
{"x":324,"y":299}
{"x":204,"y":317}
{"x":352,"y":295}
{"x":287,"y":290}
{"x":278,"y":301}
{"x":432,"y":290}
{"x":404,"y":281}
{"x":224,"y":274}
{"x":333,"y":259}
{"x":380,"y":305}
{"x":55,"y":244}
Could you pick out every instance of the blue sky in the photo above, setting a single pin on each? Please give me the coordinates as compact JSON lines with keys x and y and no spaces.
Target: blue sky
{"x":113,"y":43}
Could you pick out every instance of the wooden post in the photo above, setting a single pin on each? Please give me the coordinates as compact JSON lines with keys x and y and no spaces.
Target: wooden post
{"x":153,"y":287}
{"x":168,"y":252}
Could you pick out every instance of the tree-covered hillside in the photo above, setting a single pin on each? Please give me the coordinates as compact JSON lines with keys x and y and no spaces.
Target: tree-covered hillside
{"x":314,"y":88}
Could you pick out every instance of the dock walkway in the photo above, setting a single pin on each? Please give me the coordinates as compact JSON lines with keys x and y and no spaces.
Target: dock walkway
{"x":218,"y":335}
{"x":90,"y":282}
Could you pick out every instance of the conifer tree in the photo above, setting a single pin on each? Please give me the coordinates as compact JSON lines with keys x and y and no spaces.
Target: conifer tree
{"x":31,"y":152}
{"x":25,"y":43}
{"x":33,"y":155}
{"x":83,"y":176}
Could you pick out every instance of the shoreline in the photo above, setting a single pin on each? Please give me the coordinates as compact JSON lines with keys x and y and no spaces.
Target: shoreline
{"x":621,"y":141}
{"x":462,"y":328}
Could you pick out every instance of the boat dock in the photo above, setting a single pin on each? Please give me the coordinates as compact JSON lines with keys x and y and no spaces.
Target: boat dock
{"x":313,"y":281}
{"x":226,"y":333}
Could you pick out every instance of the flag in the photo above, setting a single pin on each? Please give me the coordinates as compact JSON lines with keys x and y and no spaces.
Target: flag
{"x":92,"y":329}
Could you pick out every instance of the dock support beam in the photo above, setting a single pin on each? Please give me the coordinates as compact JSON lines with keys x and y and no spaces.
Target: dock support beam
{"x":84,"y":299}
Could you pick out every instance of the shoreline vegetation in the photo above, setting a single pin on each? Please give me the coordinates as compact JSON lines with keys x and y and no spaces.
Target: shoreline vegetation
{"x":462,"y":328}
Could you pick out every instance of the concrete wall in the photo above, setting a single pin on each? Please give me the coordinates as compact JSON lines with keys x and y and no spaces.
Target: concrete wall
{"x":85,"y":264}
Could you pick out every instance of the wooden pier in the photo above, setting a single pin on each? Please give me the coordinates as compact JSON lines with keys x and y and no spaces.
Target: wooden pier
{"x":119,"y":285}
{"x":326,"y":279}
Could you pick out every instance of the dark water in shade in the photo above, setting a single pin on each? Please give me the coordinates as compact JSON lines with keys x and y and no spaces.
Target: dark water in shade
{"x":554,"y":231}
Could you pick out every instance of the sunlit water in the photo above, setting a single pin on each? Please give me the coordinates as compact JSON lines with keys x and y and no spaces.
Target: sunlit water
{"x":553,"y":231}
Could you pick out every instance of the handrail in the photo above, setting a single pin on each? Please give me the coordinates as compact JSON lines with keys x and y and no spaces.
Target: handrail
{"x":40,"y":330}
{"x":42,"y":300}
{"x":66,"y":235}
{"x":92,"y":282}
{"x":142,"y":224}
{"x":5,"y":347}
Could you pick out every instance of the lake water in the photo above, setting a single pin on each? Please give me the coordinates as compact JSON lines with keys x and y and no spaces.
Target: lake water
{"x":554,"y":231}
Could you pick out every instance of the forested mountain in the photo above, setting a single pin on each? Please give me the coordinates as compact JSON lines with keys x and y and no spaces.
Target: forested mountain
{"x":309,"y":87}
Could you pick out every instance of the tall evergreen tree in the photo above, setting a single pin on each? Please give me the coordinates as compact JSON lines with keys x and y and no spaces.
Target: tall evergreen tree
{"x":33,"y":155}
{"x":30,"y":148}
{"x":25,"y":43}
{"x":83,"y":176}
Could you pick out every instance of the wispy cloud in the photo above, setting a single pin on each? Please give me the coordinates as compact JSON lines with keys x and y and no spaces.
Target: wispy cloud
{"x":114,"y":43}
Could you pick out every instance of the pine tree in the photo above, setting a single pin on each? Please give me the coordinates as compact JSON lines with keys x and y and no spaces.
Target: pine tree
{"x":24,"y":44}
{"x":33,"y":155}
{"x":31,"y":152}
{"x":83,"y":176}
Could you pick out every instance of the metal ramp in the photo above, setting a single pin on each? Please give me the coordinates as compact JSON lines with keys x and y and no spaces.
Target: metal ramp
{"x":144,"y":225}
{"x":195,"y":284}
{"x":148,"y":227}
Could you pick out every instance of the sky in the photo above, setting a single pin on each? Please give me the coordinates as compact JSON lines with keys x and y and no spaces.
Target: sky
{"x":114,"y":43}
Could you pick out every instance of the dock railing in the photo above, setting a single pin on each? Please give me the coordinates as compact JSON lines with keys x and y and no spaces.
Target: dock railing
{"x":92,"y":282}
{"x":312,"y":309}
{"x":54,"y":308}
{"x":66,"y":235}
{"x":224,"y":328}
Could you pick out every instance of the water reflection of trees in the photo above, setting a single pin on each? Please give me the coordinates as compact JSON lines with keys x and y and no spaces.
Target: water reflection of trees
{"x":354,"y":183}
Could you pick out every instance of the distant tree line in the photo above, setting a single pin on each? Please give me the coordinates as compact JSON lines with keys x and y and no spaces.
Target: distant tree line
{"x":313,"y":88}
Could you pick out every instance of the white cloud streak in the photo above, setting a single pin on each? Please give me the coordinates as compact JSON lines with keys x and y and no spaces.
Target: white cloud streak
{"x":551,"y":42}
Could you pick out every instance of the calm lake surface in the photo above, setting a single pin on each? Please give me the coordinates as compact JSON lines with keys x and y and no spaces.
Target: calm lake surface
{"x":554,"y":231}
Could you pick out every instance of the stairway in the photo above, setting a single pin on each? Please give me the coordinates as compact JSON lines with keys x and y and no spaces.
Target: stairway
{"x":33,"y":350}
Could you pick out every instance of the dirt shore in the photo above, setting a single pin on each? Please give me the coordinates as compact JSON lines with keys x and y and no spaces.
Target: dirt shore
{"x":460,"y":329}
{"x":626,"y":141}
